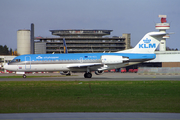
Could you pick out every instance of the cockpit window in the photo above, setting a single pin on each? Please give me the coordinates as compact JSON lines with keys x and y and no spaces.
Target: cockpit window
{"x":16,"y":60}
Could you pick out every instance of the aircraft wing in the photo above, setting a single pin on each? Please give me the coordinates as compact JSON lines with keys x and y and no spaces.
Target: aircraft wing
{"x":84,"y":65}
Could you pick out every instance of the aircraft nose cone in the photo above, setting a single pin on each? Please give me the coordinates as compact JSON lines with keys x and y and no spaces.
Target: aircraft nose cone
{"x":6,"y":66}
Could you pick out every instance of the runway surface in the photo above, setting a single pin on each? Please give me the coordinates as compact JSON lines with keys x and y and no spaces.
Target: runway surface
{"x":103,"y":77}
{"x":92,"y":116}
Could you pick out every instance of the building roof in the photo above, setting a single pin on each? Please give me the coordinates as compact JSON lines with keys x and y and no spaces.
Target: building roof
{"x":81,"y":32}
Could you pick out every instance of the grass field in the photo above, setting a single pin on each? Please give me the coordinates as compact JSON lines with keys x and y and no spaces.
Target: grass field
{"x":90,"y":96}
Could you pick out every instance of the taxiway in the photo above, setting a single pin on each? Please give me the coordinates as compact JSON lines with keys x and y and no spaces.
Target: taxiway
{"x":80,"y":77}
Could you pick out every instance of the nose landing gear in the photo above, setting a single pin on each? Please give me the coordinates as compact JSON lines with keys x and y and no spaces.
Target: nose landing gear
{"x":24,"y":76}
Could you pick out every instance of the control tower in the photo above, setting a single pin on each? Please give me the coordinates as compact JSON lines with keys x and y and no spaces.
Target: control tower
{"x":162,"y":27}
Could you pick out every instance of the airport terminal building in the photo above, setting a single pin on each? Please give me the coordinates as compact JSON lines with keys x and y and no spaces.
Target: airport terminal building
{"x":81,"y":41}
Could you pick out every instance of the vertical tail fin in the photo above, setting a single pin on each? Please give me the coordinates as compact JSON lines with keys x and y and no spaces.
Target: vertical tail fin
{"x":65,"y":47}
{"x":148,"y":43}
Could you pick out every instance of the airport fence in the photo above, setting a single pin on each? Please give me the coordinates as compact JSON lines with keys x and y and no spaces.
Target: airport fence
{"x":159,"y":70}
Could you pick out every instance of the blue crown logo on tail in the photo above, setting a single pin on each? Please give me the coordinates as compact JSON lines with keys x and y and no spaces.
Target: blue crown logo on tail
{"x":147,"y":40}
{"x":147,"y":44}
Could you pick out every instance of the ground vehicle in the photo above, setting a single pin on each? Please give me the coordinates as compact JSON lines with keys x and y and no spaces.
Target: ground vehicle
{"x":133,"y":70}
{"x":123,"y":70}
{"x":113,"y":70}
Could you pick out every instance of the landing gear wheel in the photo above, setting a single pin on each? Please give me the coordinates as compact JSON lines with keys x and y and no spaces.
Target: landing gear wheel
{"x":68,"y":74}
{"x":87,"y":75}
{"x":24,"y":76}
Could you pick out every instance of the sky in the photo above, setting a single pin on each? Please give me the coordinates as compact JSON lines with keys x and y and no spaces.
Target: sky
{"x":136,"y":17}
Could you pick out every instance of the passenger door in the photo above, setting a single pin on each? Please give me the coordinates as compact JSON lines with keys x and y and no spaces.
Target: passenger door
{"x":27,"y":62}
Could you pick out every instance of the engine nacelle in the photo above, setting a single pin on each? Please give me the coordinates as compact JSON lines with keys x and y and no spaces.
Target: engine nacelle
{"x":99,"y":72}
{"x":113,"y":59}
{"x":65,"y":73}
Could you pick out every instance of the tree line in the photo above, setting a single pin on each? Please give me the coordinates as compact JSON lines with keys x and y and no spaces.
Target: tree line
{"x":4,"y":50}
{"x":171,"y":49}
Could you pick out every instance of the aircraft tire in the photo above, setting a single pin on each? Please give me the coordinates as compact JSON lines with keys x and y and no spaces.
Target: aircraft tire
{"x":69,"y":74}
{"x":24,"y":76}
{"x":87,"y":75}
{"x":84,"y":75}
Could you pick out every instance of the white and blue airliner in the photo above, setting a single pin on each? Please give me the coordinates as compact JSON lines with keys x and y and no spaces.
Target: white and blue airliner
{"x":88,"y":62}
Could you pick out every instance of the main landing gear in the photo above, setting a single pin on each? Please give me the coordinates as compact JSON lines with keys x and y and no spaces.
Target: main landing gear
{"x":87,"y":75}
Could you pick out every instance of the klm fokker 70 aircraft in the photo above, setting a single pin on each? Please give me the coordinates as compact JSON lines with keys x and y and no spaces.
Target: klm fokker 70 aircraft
{"x":88,"y":62}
